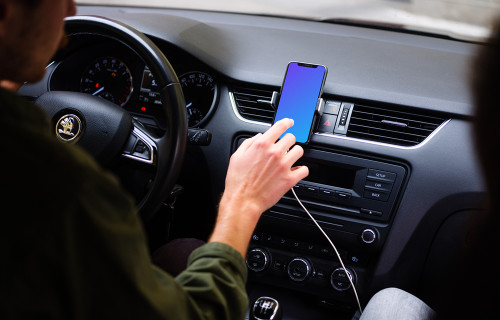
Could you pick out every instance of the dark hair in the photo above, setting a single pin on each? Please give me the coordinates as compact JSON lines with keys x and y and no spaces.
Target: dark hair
{"x":462,"y":297}
{"x":31,"y":3}
{"x":480,"y":297}
{"x":486,"y":88}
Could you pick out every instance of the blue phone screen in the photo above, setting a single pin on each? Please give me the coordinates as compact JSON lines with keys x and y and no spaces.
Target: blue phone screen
{"x":299,"y":96}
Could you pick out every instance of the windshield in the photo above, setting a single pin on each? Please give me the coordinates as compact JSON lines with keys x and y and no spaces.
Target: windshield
{"x":463,"y":19}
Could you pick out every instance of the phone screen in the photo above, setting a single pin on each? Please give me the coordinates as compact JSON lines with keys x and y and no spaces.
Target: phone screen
{"x":300,"y":91}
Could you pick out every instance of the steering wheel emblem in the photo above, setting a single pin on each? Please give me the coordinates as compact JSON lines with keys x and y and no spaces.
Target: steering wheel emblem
{"x":69,"y":128}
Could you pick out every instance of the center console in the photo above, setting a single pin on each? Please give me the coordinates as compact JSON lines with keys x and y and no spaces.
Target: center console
{"x":353,"y":200}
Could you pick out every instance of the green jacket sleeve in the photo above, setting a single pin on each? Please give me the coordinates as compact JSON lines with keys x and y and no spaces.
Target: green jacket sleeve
{"x":215,"y":279}
{"x":212,"y":287}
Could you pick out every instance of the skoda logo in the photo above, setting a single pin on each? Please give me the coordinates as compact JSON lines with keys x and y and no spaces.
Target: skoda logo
{"x":69,"y":128}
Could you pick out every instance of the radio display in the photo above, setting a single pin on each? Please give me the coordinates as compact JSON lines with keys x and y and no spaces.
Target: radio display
{"x":341,"y":177}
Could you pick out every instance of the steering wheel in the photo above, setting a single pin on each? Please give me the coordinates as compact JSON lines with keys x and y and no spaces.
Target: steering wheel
{"x":106,"y":130}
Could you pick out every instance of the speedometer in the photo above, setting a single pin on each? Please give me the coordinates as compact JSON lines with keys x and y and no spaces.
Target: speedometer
{"x":200,"y":92}
{"x":109,"y":78}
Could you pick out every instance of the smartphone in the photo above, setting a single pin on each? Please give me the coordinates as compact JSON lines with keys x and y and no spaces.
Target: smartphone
{"x":300,"y":91}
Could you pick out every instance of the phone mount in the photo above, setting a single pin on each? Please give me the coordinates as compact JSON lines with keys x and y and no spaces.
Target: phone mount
{"x":320,"y":106}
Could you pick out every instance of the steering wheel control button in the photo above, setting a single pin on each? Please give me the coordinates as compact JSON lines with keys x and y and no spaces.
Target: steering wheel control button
{"x":139,"y":148}
{"x":69,"y":128}
{"x":257,"y":260}
{"x":141,"y":151}
{"x":299,"y":269}
{"x":368,"y":236}
{"x":266,"y":308}
{"x":339,"y":280}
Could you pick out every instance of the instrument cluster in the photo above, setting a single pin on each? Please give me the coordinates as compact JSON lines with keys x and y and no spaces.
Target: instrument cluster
{"x":114,"y":73}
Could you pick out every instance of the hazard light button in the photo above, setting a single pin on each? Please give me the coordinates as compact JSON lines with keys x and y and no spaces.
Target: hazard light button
{"x":327,"y":123}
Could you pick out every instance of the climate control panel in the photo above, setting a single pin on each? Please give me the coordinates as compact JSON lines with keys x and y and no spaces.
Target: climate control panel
{"x":320,"y":275}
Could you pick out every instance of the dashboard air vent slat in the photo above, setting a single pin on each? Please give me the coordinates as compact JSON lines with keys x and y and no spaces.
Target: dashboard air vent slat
{"x":390,"y":125}
{"x":253,"y":103}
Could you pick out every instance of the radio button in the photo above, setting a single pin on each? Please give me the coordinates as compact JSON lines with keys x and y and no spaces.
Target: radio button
{"x":378,"y":185}
{"x":299,"y":187}
{"x":371,"y":212}
{"x":376,"y":195}
{"x":326,"y":192}
{"x":342,"y":195}
{"x":311,"y":189}
{"x":381,"y":175}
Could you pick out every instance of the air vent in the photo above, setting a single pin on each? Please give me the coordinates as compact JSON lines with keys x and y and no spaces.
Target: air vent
{"x":391,"y":125}
{"x":253,"y":103}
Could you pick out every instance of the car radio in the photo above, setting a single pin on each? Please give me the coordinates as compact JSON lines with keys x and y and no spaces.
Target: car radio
{"x":349,"y":186}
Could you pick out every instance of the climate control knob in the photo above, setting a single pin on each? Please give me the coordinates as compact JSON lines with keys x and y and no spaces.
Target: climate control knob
{"x":339,"y":279}
{"x":299,"y":269}
{"x":257,"y":260}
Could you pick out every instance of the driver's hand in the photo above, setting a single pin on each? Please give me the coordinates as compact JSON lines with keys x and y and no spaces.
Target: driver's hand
{"x":260,"y":172}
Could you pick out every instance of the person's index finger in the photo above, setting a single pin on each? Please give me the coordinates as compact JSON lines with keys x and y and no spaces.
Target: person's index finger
{"x":278,"y":129}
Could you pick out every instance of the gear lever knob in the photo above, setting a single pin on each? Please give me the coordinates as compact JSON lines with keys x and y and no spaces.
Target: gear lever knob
{"x":266,"y":308}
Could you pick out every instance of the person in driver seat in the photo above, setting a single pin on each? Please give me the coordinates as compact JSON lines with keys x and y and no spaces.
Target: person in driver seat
{"x":71,"y":239}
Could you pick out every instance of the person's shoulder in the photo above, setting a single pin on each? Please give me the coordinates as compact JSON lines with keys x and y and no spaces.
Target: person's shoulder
{"x":18,"y":111}
{"x":41,"y":165}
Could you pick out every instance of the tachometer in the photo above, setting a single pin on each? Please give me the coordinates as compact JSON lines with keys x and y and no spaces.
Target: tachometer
{"x":109,"y":78}
{"x":200,"y":92}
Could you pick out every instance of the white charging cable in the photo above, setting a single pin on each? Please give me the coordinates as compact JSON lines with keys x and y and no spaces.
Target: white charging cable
{"x":334,"y":248}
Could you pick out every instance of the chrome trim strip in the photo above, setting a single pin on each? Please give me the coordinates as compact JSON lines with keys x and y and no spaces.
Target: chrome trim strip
{"x":387,"y":144}
{"x":426,"y":140}
{"x":238,"y":115}
{"x":144,"y":138}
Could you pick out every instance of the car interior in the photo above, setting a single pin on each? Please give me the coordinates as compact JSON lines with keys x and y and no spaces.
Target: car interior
{"x":394,"y":175}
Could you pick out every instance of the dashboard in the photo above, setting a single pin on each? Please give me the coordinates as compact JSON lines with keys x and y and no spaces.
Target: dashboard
{"x":394,"y":171}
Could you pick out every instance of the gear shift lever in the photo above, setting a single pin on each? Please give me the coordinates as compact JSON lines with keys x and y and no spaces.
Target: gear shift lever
{"x":266,"y":308}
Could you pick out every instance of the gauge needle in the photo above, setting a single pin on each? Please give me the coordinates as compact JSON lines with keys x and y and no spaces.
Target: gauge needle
{"x":188,"y":106}
{"x":98,"y":91}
